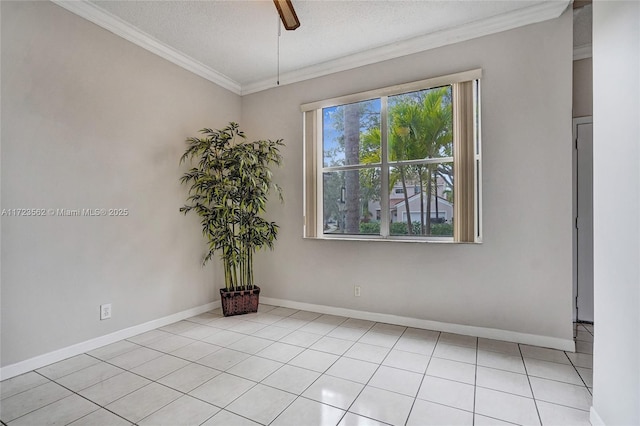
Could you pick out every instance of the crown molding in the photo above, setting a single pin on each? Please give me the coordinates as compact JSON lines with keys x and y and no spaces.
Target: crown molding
{"x":112,"y":23}
{"x":504,"y":22}
{"x":507,"y":21}
{"x":582,"y":52}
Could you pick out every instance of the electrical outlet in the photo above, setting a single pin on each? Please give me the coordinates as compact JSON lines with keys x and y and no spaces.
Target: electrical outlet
{"x":105,"y":311}
{"x":356,"y":291}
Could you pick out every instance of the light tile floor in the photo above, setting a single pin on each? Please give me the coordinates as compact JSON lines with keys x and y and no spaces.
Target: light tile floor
{"x":287,"y":367}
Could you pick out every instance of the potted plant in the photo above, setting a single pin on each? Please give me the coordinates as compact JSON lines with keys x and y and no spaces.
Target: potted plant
{"x":228,"y":188}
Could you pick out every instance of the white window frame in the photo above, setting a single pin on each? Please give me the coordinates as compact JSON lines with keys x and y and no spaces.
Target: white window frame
{"x":313,"y":166}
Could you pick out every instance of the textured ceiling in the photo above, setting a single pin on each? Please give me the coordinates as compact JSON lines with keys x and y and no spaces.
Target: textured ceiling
{"x":238,"y":39}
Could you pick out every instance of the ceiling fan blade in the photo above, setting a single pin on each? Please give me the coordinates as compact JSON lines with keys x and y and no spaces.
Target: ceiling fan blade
{"x":287,"y":14}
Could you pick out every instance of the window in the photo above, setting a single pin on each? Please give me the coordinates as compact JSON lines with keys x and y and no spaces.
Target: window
{"x":399,"y":163}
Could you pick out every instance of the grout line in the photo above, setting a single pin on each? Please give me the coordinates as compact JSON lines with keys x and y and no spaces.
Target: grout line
{"x":494,"y":418}
{"x":230,"y":412}
{"x":284,"y":409}
{"x":212,"y":416}
{"x":137,"y":346}
{"x":46,"y":405}
{"x":533,"y":396}
{"x":578,"y":373}
{"x":564,"y":405}
{"x":27,"y":389}
{"x":221,"y":408}
{"x":374,"y":373}
{"x":144,"y":386}
{"x":311,"y":384}
{"x":318,"y":378}
{"x":359,"y":415}
{"x":475,"y":383}
{"x":454,"y":381}
{"x":84,"y":397}
{"x":535,"y":377}
{"x":423,"y":375}
{"x":506,"y":392}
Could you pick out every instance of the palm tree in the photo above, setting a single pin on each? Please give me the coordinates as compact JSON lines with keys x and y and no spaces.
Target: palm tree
{"x":428,"y":116}
{"x":399,"y":149}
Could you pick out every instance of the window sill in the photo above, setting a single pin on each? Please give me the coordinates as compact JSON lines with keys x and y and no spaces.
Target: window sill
{"x":395,"y":239}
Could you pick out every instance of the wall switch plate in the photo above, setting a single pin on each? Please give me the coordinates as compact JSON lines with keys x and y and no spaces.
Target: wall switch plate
{"x":105,"y":311}
{"x":356,"y":291}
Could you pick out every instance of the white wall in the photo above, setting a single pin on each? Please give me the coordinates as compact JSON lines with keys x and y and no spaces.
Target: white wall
{"x":616,"y":151}
{"x":92,"y":121}
{"x":520,"y":278}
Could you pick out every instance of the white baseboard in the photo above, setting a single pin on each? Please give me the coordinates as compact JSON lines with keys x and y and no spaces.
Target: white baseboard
{"x":58,"y":355}
{"x":594,"y":418}
{"x":468,"y":330}
{"x":490,"y":333}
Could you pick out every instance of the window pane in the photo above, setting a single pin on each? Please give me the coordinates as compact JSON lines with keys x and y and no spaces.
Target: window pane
{"x":351,"y":202}
{"x":351,"y":134}
{"x":411,"y":185}
{"x":421,"y":125}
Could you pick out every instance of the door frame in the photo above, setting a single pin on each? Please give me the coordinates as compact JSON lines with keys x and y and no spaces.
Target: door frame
{"x":576,"y":122}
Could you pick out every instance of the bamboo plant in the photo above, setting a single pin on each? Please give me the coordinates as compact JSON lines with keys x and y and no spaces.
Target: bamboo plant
{"x":228,"y":188}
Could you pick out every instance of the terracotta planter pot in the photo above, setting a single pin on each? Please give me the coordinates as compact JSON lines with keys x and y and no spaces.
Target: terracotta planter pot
{"x":239,"y":302}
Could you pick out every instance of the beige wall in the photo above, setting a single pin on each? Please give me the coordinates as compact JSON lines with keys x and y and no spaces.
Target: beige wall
{"x":520,"y":278}
{"x":91,"y":121}
{"x":583,"y":88}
